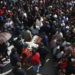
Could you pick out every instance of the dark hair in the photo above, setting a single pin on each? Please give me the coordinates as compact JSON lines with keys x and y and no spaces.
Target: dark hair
{"x":13,"y":50}
{"x":33,"y":52}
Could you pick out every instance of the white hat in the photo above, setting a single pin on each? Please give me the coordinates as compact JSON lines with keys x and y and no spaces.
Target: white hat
{"x":9,"y":11}
{"x":25,"y":14}
{"x":55,"y":16}
{"x":67,"y":27}
{"x":50,"y":6}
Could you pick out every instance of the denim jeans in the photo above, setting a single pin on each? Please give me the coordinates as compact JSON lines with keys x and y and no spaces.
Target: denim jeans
{"x":36,"y":68}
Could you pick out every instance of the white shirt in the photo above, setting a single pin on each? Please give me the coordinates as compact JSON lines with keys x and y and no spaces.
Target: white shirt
{"x":39,"y":23}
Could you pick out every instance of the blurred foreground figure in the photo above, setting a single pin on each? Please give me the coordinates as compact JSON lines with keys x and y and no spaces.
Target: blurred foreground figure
{"x":18,"y":70}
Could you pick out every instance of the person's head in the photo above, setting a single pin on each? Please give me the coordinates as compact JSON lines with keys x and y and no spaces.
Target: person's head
{"x":33,"y":52}
{"x":13,"y":50}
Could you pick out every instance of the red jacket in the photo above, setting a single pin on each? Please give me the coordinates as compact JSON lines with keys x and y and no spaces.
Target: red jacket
{"x":63,"y":65}
{"x":1,"y":12}
{"x":4,"y":8}
{"x":26,"y":53}
{"x":35,"y":60}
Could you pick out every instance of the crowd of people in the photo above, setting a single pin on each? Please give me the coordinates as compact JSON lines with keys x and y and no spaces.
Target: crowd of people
{"x":39,"y":27}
